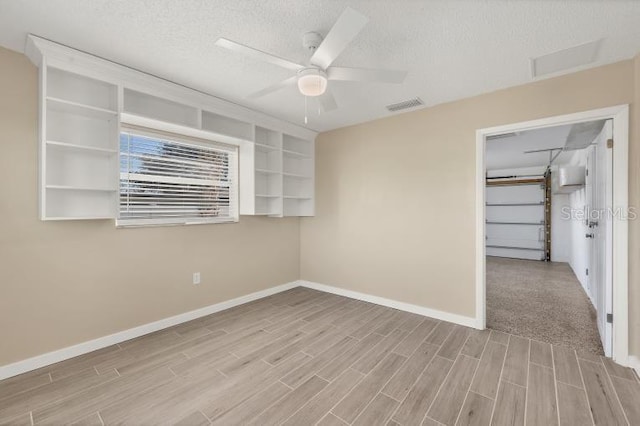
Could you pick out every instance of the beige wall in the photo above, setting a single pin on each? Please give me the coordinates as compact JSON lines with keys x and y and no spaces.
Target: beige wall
{"x":395,"y":206}
{"x":63,"y":283}
{"x":395,"y":197}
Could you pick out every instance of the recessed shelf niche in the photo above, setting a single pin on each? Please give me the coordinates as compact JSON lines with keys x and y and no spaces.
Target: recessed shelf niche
{"x":227,"y":126}
{"x":145,"y":105}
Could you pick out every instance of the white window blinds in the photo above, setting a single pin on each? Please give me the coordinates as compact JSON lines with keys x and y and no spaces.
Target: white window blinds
{"x":170,"y":179}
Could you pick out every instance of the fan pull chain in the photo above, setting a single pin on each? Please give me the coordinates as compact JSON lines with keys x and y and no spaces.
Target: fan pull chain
{"x":306,"y":120}
{"x":318,"y":81}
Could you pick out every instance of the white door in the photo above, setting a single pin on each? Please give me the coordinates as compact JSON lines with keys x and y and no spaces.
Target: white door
{"x":599,"y":200}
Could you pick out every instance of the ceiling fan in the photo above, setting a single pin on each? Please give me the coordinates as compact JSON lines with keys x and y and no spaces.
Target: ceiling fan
{"x":312,"y":79}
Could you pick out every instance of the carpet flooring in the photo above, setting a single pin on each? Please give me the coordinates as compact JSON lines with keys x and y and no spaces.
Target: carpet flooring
{"x":542,"y":301}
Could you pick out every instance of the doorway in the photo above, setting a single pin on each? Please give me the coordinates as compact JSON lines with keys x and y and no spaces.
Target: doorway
{"x":604,"y":240}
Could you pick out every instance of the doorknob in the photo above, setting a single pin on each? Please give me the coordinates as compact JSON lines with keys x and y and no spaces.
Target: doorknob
{"x":589,"y":235}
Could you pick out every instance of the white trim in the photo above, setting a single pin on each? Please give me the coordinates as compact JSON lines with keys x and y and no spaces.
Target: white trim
{"x":49,"y":358}
{"x":634,"y":362}
{"x":408,"y":307}
{"x":620,"y":116}
{"x":481,"y":295}
{"x":175,"y":129}
{"x":621,"y":236}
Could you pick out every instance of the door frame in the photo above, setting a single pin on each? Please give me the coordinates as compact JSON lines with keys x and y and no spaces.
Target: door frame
{"x":620,"y":116}
{"x":594,"y":199}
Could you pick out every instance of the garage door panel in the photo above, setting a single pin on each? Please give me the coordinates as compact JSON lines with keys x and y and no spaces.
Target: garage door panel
{"x":523,"y":232}
{"x":514,"y":194}
{"x":515,"y":242}
{"x":515,"y":221}
{"x":516,"y":254}
{"x":515,"y":214}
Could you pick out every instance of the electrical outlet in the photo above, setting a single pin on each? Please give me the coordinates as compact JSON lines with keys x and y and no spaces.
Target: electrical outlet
{"x":196,"y":277}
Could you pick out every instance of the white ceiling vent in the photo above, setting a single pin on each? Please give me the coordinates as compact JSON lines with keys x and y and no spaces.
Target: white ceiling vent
{"x":410,"y":103}
{"x":565,"y":59}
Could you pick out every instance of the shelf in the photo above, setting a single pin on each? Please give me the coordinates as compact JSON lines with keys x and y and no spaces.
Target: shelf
{"x":295,"y":154}
{"x":297,"y":197}
{"x":79,"y":188}
{"x":541,"y":204}
{"x":74,"y":146}
{"x":80,"y":109}
{"x":295,"y":175}
{"x":62,"y":84}
{"x":515,"y":248}
{"x":268,"y":172}
{"x":267,"y":196}
{"x":266,"y":147}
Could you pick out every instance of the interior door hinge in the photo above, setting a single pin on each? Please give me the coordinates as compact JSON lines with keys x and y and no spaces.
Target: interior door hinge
{"x":610,"y":318}
{"x":609,"y":143}
{"x":587,"y":271}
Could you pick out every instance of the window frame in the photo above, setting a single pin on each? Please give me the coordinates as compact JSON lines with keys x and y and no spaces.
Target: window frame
{"x":183,"y":136}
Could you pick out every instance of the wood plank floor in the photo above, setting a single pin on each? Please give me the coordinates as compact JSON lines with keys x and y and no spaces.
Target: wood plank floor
{"x":304,"y":357}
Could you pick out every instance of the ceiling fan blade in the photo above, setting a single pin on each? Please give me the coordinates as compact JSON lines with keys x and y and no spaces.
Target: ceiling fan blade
{"x":346,"y":28}
{"x":280,"y":85}
{"x":366,"y":75}
{"x":327,"y":101}
{"x":257,"y":54}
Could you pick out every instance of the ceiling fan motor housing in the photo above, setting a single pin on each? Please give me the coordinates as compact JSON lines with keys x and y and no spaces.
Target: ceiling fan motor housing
{"x":312,"y":81}
{"x":311,"y":40}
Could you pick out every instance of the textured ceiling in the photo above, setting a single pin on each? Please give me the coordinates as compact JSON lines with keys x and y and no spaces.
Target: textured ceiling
{"x":452,"y":49}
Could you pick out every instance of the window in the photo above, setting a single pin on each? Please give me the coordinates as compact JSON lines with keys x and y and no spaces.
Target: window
{"x":171,"y":179}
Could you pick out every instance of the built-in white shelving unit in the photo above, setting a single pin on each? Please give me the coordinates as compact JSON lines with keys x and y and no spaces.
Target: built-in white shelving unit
{"x":83,"y":100}
{"x":261,"y":174}
{"x":78,"y":147}
{"x":280,"y":169}
{"x":298,"y":174}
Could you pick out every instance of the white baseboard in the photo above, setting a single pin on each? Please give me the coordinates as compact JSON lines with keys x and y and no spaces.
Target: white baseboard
{"x":53,"y":357}
{"x":49,"y":358}
{"x":408,"y":307}
{"x":634,"y":362}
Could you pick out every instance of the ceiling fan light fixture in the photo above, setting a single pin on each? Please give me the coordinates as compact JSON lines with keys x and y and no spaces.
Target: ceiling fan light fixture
{"x":312,"y":82}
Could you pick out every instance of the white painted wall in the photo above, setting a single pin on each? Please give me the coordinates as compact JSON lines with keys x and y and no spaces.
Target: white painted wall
{"x":560,"y":228}
{"x":579,"y":244}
